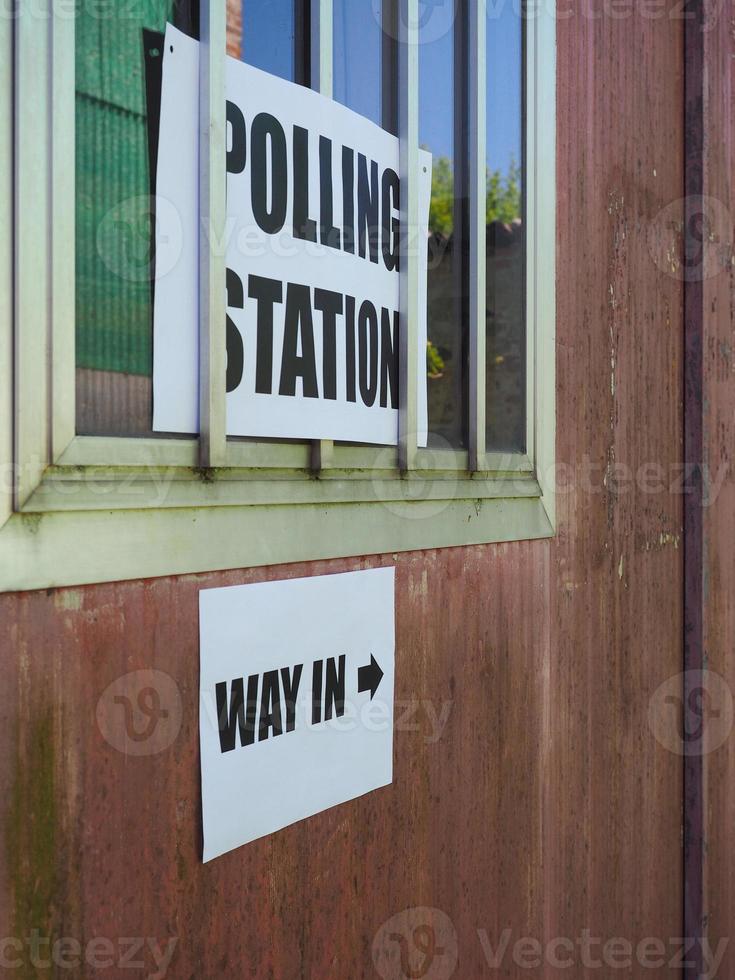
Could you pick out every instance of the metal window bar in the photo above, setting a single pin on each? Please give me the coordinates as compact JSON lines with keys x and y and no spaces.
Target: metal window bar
{"x":532,"y":180}
{"x":477,"y":235}
{"x":321,"y":58}
{"x":31,"y":247}
{"x":6,"y":261}
{"x":62,"y":232}
{"x":212,"y":216}
{"x":408,"y":129}
{"x":460,"y":259}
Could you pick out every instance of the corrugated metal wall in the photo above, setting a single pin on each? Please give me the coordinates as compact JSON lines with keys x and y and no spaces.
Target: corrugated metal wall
{"x":114,"y":324}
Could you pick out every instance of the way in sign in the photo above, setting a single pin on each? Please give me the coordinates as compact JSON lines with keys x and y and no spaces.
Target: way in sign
{"x":263,"y":706}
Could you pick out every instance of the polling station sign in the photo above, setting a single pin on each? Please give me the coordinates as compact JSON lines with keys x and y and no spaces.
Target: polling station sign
{"x":312,"y":254}
{"x":296,"y":700}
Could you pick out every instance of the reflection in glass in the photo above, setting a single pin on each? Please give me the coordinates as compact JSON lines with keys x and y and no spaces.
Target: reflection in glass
{"x":364,"y":59}
{"x":264,"y":33}
{"x":118,"y":70}
{"x":441,"y":130}
{"x":506,"y":349}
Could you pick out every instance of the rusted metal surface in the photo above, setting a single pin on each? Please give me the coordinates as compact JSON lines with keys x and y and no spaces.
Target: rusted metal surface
{"x":718,"y":330}
{"x":543,"y":804}
{"x":612,"y":790}
{"x":459,"y":830}
{"x":694,"y":172}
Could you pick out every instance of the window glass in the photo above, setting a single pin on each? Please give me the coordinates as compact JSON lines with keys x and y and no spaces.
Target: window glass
{"x":118,"y":64}
{"x":113,"y":317}
{"x":118,"y":59}
{"x":506,"y":267}
{"x":264,"y":33}
{"x":442,"y":112}
{"x":364,"y":59}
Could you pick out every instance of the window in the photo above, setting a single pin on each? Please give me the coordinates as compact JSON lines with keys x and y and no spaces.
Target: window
{"x":95,"y":493}
{"x":117,"y":65}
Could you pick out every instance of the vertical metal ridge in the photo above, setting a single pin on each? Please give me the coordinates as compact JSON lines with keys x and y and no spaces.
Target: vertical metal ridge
{"x":408,"y":128}
{"x":322,"y":56}
{"x":31,"y":241}
{"x":694,"y":911}
{"x":62,"y":234}
{"x":322,"y":72}
{"x":212,"y":215}
{"x":477,"y":70}
{"x":6,"y":259}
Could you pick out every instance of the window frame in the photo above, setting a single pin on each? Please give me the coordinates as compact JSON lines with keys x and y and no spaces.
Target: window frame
{"x":80,"y":509}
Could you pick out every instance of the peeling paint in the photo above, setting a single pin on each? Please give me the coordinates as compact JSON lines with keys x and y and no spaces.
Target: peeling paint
{"x":420,"y":588}
{"x":68,"y":600}
{"x":665,"y":538}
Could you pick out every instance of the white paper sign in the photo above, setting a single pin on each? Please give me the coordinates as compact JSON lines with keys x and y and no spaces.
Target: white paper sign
{"x":296,"y":700}
{"x":311,"y":246}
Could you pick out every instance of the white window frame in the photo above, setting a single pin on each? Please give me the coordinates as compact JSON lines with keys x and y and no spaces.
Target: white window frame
{"x":80,"y":509}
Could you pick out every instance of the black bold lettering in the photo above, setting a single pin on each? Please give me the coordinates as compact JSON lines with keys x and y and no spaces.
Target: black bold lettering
{"x":367,"y":345}
{"x":304,"y":227}
{"x":390,"y":221}
{"x":270,"y":706}
{"x":348,"y":199}
{"x":330,"y":305}
{"x":316,"y":692}
{"x":251,"y":707}
{"x":233,"y":713}
{"x":236,"y":154}
{"x":350,"y":348}
{"x":265,"y":130}
{"x":299,"y":324}
{"x":233,"y":340}
{"x":266,"y":292}
{"x":367,"y":206}
{"x":334,"y":688}
{"x":328,"y":234}
{"x":388,"y":358}
{"x":290,"y":693}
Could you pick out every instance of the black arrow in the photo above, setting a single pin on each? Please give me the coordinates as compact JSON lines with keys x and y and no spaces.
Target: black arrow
{"x":369,"y":677}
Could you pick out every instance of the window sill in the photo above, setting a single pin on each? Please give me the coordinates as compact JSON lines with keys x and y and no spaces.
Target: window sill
{"x":84,"y":525}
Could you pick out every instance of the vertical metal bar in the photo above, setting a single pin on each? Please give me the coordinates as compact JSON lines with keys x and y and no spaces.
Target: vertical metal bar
{"x":322,"y":71}
{"x":63,"y":309}
{"x":212,"y":216}
{"x":536,"y":162}
{"x":322,"y":57}
{"x":408,"y":128}
{"x":460,"y":263}
{"x":477,"y":234}
{"x":32,"y":297}
{"x":6,"y":260}
{"x":695,"y":108}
